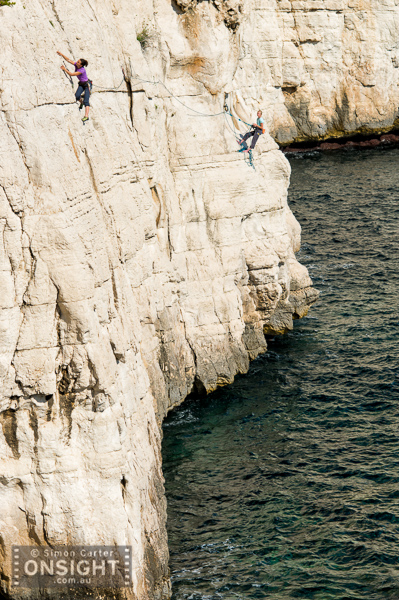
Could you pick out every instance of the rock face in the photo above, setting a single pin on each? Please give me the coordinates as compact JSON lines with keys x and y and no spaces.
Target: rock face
{"x":141,"y":258}
{"x":322,"y":68}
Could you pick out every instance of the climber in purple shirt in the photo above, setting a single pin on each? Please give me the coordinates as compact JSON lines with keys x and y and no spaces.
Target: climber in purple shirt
{"x":84,"y":83}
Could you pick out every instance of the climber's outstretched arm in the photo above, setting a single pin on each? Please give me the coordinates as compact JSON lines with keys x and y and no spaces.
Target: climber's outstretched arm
{"x":65,"y":57}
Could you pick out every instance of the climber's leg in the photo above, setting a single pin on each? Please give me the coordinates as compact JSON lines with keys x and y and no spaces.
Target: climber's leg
{"x":255,"y":138}
{"x":79,"y":92}
{"x":246,"y":137}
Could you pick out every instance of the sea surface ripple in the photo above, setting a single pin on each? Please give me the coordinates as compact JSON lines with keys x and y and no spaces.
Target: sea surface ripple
{"x":286,"y":483}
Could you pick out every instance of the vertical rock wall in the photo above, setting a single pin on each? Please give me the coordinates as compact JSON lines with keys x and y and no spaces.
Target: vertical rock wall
{"x":321,"y":68}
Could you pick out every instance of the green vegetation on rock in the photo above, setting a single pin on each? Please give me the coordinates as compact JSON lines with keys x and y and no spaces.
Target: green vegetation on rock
{"x":143,"y":36}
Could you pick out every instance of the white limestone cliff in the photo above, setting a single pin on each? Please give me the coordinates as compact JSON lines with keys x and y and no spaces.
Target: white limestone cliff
{"x":141,"y":257}
{"x":321,"y":68}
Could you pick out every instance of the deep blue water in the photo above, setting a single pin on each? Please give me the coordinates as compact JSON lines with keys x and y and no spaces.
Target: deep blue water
{"x":286,"y":483}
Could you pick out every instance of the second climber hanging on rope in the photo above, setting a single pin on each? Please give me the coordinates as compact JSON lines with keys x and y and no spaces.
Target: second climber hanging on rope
{"x":257,"y":130}
{"x":83,"y":92}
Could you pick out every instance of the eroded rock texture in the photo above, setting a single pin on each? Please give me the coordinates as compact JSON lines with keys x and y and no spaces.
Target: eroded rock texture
{"x":231,"y":10}
{"x":141,"y":258}
{"x":322,"y":68}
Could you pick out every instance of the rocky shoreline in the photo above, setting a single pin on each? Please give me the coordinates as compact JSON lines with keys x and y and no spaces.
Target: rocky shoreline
{"x":384,"y":140}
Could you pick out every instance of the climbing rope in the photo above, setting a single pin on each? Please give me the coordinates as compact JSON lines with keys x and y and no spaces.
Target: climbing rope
{"x":238,"y":137}
{"x":248,"y":156}
{"x":135,"y":77}
{"x":66,"y":75}
{"x":238,"y":119}
{"x":114,"y":89}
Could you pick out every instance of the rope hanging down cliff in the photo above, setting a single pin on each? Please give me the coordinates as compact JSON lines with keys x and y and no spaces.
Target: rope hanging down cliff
{"x":248,"y":157}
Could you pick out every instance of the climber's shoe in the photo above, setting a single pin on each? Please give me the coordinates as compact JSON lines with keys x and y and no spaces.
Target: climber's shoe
{"x":80,"y":104}
{"x":85,"y":119}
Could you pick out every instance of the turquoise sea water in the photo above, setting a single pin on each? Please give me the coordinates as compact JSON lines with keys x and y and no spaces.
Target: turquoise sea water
{"x":286,"y":483}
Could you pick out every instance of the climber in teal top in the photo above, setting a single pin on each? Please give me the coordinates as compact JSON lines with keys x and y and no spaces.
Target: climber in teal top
{"x":257,"y":131}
